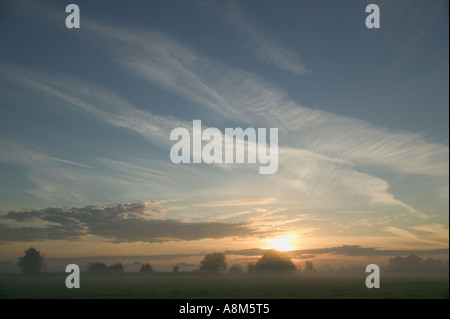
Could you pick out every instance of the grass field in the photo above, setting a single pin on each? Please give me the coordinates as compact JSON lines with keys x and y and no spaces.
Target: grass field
{"x":225,"y":286}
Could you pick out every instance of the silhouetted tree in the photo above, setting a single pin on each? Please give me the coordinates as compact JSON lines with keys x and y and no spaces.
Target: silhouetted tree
{"x":250,"y":268}
{"x":411,"y":262}
{"x":235,"y":269}
{"x":309,"y":266}
{"x":97,"y":268}
{"x":116,"y":268}
{"x":275,"y":261}
{"x":433,"y":264}
{"x":32,"y":262}
{"x":146,"y":269}
{"x":414,"y":263}
{"x":214,"y":262}
{"x":176,"y":268}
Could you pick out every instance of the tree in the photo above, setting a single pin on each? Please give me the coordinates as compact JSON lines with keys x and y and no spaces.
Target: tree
{"x":431,"y":264}
{"x":146,"y":269}
{"x":235,"y":269}
{"x":410,"y":263}
{"x":309,"y":266}
{"x":116,"y":268}
{"x":275,"y":261}
{"x":97,"y":268}
{"x":414,"y":263}
{"x":213,"y":262}
{"x":32,"y":262}
{"x":176,"y":268}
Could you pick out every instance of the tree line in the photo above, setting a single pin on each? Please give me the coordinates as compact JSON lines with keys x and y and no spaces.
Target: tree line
{"x":271,"y":261}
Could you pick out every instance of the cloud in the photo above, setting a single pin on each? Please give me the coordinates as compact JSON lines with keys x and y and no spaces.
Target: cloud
{"x":248,"y":99}
{"x":240,"y":202}
{"x":99,"y":102}
{"x":26,"y":154}
{"x":260,"y":42}
{"x":232,"y":215}
{"x":316,"y":173}
{"x":321,"y":149}
{"x":130,"y":222}
{"x":437,"y":230}
{"x":356,"y":250}
{"x":434,"y":234}
{"x":243,"y":97}
{"x":400,"y":232}
{"x":346,"y":250}
{"x":323,"y":156}
{"x":56,"y":181}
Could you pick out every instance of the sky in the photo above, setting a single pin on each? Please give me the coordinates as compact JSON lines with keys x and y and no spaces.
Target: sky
{"x":86,"y":116}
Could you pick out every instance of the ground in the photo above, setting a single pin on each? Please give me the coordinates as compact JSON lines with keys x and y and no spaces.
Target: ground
{"x":223,"y":286}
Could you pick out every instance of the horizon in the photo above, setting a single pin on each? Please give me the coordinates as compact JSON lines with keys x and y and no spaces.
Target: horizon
{"x":330,"y":262}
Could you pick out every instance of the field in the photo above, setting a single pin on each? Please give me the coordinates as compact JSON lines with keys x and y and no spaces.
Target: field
{"x":225,"y":286}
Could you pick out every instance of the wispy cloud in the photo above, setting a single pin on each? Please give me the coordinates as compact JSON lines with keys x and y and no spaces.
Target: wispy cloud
{"x":435,"y":230}
{"x":99,"y":102}
{"x":260,"y":42}
{"x":27,"y":153}
{"x":400,"y":232}
{"x":316,"y":176}
{"x":245,"y":98}
{"x":97,"y":180}
{"x":240,"y":202}
{"x":232,"y":215}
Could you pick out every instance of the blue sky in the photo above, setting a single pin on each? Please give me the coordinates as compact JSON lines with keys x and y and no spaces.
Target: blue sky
{"x":86,"y":115}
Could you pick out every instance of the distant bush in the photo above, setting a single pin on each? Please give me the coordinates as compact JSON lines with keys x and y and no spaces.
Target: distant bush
{"x":116,"y":268}
{"x":97,"y":268}
{"x":414,"y":263}
{"x":146,"y":269}
{"x":32,"y":262}
{"x":101,"y":268}
{"x":214,"y":262}
{"x":235,"y":269}
{"x":275,"y":261}
{"x":309,"y":266}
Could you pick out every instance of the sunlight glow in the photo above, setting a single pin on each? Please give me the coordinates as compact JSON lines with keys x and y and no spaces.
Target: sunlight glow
{"x":280,"y":244}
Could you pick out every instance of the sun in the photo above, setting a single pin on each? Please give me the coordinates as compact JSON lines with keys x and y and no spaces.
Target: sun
{"x":280,"y":243}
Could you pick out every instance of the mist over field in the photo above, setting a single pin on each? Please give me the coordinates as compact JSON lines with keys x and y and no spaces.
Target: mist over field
{"x":272,"y":276}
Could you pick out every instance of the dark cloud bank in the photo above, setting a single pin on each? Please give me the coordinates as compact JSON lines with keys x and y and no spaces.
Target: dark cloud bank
{"x":118,"y":223}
